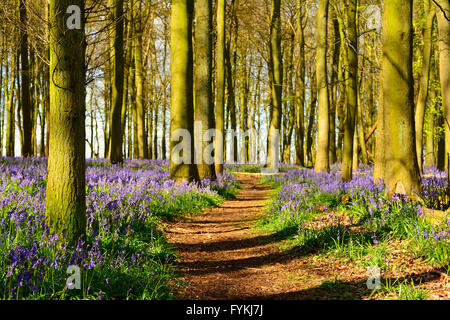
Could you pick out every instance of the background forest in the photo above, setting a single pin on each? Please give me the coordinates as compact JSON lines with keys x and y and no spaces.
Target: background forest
{"x":353,"y":88}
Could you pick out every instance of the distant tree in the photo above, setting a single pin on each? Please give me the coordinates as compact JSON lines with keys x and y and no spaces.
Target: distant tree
{"x":443,"y":21}
{"x":276,"y":81}
{"x":117,"y":80}
{"x":422,"y":98}
{"x":351,"y":85}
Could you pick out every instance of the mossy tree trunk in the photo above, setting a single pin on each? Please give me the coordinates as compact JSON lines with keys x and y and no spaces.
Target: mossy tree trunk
{"x":430,"y":14}
{"x":276,"y":67}
{"x":443,"y":15}
{"x":181,"y":100}
{"x":220,"y":87}
{"x":117,"y":81}
{"x":139,"y":81}
{"x":65,"y":199}
{"x":351,"y":86}
{"x":322,"y":153}
{"x":300,"y":89}
{"x":401,"y":168}
{"x":204,"y":105}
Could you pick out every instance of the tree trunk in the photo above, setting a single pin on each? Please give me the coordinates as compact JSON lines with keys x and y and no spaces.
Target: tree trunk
{"x":401,"y":168}
{"x":117,"y":80}
{"x":139,"y":81}
{"x":443,"y":16}
{"x":25,"y":82}
{"x":276,"y":66}
{"x":182,"y":167}
{"x":300,"y":90}
{"x":220,"y":87}
{"x":65,"y":199}
{"x":322,"y":161}
{"x":430,"y":14}
{"x":204,"y":104}
{"x":351,"y":84}
{"x":10,"y":120}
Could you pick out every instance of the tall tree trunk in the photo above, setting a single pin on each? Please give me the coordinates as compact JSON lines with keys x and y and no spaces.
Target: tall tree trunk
{"x":117,"y":79}
{"x":204,"y":104}
{"x":443,"y":22}
{"x":334,"y":84}
{"x":351,"y":84}
{"x":220,"y":87}
{"x":430,"y":146}
{"x":312,"y":115}
{"x":322,"y":161}
{"x":276,"y":66}
{"x":139,"y":81}
{"x":182,"y":167}
{"x":231,"y":105}
{"x":25,"y":102}
{"x":300,"y":90}
{"x":10,"y":121}
{"x":401,"y":168}
{"x":66,"y":199}
{"x":430,"y":14}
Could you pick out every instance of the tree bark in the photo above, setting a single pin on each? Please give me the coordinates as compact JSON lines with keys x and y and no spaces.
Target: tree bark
{"x":220,"y":87}
{"x":322,"y":153}
{"x":181,"y":103}
{"x":351,"y":81}
{"x":276,"y":66}
{"x":430,"y":14}
{"x":401,"y":168}
{"x":117,"y":81}
{"x":65,"y":199}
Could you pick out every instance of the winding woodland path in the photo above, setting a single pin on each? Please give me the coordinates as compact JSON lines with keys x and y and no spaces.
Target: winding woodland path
{"x":222,"y":255}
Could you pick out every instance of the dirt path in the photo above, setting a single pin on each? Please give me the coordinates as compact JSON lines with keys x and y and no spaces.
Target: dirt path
{"x":223,"y":256}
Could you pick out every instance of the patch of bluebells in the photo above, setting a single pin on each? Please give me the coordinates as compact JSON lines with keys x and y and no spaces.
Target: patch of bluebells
{"x":302,"y":191}
{"x":124,"y":205}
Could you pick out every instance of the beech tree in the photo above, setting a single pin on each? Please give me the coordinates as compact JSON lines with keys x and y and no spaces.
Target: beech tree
{"x":65,"y":198}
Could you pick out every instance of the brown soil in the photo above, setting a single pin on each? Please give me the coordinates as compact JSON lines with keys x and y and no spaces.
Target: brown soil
{"x":222,"y":256}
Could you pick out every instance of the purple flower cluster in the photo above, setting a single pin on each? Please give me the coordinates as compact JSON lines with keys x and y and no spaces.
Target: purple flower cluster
{"x":304,"y":192}
{"x":124,"y":204}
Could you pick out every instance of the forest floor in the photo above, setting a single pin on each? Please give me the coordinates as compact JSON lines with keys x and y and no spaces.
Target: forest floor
{"x":225,"y":254}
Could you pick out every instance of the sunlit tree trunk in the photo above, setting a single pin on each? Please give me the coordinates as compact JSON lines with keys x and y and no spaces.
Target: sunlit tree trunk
{"x":322,"y":161}
{"x":117,"y":79}
{"x":181,"y":100}
{"x":139,"y":81}
{"x":276,"y":67}
{"x":443,"y":15}
{"x":220,"y":87}
{"x":300,"y":90}
{"x":430,"y":14}
{"x":401,"y":168}
{"x":10,"y":113}
{"x":204,"y":104}
{"x":351,"y":81}
{"x":65,"y":199}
